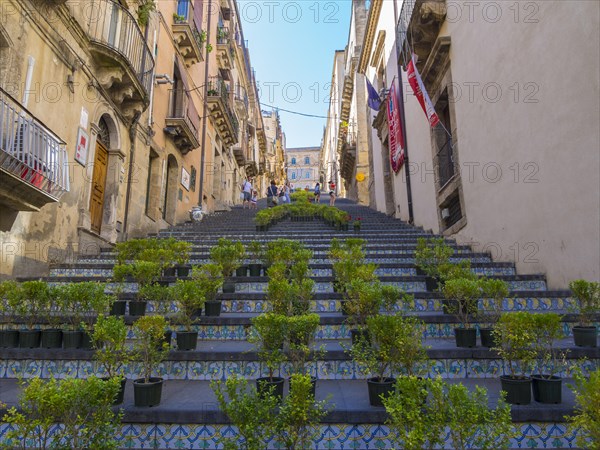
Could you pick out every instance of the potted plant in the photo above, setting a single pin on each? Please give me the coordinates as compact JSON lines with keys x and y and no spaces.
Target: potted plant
{"x":301,"y":331}
{"x":586,"y":420}
{"x":145,"y":273}
{"x":182,"y":250}
{"x":299,"y":414}
{"x":210,"y":279}
{"x":430,"y":255}
{"x":256,"y":251}
{"x":31,"y":299}
{"x":269,"y":335}
{"x":250,"y":411}
{"x":495,"y":292}
{"x":546,"y":384}
{"x":189,"y":297}
{"x":587,"y":294}
{"x":229,"y":255}
{"x":465,"y":293}
{"x":9,"y":336}
{"x":356,"y":224}
{"x":109,"y":339}
{"x":52,"y":336}
{"x":149,"y":350}
{"x":515,"y":336}
{"x":394,"y":346}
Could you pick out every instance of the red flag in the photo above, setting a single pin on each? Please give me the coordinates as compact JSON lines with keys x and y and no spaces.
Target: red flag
{"x":396,"y":138}
{"x":421,"y":93}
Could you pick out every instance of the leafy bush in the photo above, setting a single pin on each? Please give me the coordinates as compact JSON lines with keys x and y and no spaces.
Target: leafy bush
{"x":587,"y":294}
{"x":149,"y":349}
{"x":109,"y":338}
{"x":586,"y":420}
{"x":228,"y":254}
{"x":515,"y":334}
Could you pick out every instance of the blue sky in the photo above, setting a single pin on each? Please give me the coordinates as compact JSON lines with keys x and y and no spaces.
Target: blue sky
{"x":292,"y":45}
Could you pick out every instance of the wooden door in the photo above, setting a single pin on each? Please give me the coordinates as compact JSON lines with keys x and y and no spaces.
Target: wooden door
{"x":98,"y":185}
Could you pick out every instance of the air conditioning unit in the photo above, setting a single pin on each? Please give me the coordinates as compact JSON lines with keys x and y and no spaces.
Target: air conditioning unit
{"x":445,"y":213}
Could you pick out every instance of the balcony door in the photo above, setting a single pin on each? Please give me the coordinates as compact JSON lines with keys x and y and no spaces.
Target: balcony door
{"x":98,"y":186}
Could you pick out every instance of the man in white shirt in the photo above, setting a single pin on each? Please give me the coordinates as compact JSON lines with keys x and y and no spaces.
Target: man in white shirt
{"x":247,"y":191}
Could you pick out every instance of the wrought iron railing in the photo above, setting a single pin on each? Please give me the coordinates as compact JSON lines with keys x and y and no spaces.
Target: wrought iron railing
{"x":30,"y":151}
{"x":182,"y":107}
{"x":445,"y":160}
{"x":216,"y":87}
{"x":113,"y":26}
{"x":240,"y":95}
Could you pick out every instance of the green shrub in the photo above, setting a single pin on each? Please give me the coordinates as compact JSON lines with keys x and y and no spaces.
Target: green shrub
{"x":586,"y":420}
{"x":587,"y":294}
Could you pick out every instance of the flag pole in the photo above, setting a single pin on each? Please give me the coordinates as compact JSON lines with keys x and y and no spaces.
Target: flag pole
{"x":403,"y":119}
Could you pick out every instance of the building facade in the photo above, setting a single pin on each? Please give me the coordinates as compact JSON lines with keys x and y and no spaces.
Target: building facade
{"x":303,"y":167}
{"x":489,"y":173}
{"x":116,"y":118}
{"x":274,"y":162}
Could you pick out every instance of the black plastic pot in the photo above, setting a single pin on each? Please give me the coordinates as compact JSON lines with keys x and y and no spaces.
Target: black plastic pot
{"x":187,"y":340}
{"x":170,"y":272}
{"x":241,"y":271}
{"x":86,"y":341}
{"x":72,"y":339}
{"x":254,"y":269}
{"x":487,"y":337}
{"x":264,"y":385}
{"x":121,"y":392}
{"x":363,"y":335}
{"x":9,"y":338}
{"x":547,"y":389}
{"x":212,"y":308}
{"x":137,"y":308}
{"x":518,"y":390}
{"x":29,"y":338}
{"x":118,"y":308}
{"x":51,"y":338}
{"x":183,"y":271}
{"x":465,"y":337}
{"x":228,"y":287}
{"x":147,"y":394}
{"x":378,"y":388}
{"x":585,"y":336}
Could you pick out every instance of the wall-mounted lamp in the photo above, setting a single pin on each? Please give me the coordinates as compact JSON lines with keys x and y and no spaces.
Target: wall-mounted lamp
{"x":163,"y":79}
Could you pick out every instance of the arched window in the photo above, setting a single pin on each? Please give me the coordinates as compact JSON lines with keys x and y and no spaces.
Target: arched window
{"x":307,"y":175}
{"x":307,"y":160}
{"x":293,"y":175}
{"x":293,"y":161}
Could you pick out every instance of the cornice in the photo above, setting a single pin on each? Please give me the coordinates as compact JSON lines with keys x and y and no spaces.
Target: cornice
{"x":367,"y":45}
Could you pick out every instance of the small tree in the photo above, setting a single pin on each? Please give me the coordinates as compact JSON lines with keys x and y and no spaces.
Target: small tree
{"x":30,"y":300}
{"x":270,"y":334}
{"x":189,"y":296}
{"x":298,"y":417}
{"x":250,"y":412}
{"x":548,"y":329}
{"x":109,"y":338}
{"x":431,"y":254}
{"x":586,"y":421}
{"x":495,"y":291}
{"x":209,"y":278}
{"x":366,"y":298}
{"x":587,"y":294}
{"x":301,"y":331}
{"x":149,"y":348}
{"x":465,"y":292}
{"x":515,"y":335}
{"x":228,"y":254}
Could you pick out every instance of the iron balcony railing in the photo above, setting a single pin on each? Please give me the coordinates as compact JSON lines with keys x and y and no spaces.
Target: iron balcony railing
{"x":239,"y":94}
{"x":222,"y":35}
{"x":113,"y":26}
{"x":445,"y":159}
{"x":182,"y":107}
{"x":216,"y":87}
{"x":30,"y":151}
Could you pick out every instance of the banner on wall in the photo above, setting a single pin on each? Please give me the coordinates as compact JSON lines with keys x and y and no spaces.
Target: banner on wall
{"x":414,"y":78}
{"x":396,"y":139}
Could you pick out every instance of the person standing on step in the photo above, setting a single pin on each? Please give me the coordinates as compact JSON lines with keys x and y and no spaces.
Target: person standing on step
{"x":317,"y":193}
{"x":247,"y":191}
{"x":286,"y":192}
{"x":272,"y":191}
{"x":331,"y":193}
{"x":254,"y":200}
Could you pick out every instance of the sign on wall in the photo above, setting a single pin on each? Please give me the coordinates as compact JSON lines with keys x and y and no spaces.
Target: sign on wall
{"x":82,"y":145}
{"x":185,"y":179}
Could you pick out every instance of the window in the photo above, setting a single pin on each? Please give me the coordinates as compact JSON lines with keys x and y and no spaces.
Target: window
{"x":307,"y":174}
{"x":293,"y":175}
{"x":307,"y":160}
{"x":293,"y":161}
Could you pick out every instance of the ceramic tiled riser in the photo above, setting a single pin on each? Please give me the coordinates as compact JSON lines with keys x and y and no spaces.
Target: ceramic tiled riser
{"x":220,"y":370}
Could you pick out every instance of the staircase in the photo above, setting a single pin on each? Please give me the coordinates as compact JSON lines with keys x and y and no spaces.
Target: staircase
{"x":188,"y":416}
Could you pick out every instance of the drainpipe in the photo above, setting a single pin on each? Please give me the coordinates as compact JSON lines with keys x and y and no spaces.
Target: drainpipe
{"x":205,"y":110}
{"x":411,"y":218}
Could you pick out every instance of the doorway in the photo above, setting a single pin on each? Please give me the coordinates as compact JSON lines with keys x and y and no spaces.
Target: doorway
{"x":98,"y":186}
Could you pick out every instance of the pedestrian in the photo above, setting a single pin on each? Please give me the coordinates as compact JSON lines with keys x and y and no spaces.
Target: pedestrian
{"x":331,"y":193}
{"x":286,"y":192}
{"x":254,"y":200}
{"x":317,"y":193}
{"x":272,"y":191}
{"x":247,"y":193}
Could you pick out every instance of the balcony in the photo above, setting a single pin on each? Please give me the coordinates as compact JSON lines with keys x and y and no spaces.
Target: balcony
{"x":219,"y":104}
{"x":183,"y":121}
{"x":421,"y":20}
{"x":241,"y":100}
{"x":187,"y":33}
{"x":225,"y":52}
{"x":33,"y":160}
{"x":348,"y":157}
{"x":240,"y":151}
{"x":124,"y":63}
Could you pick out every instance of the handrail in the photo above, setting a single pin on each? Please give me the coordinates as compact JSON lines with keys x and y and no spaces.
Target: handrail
{"x":113,"y":26}
{"x":30,"y":150}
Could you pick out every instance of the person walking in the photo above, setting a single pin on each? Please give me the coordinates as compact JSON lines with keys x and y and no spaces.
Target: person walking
{"x":247,"y":191}
{"x":272,"y":194}
{"x":317,"y":193}
{"x":254,"y":200}
{"x":331,"y":193}
{"x":286,"y":192}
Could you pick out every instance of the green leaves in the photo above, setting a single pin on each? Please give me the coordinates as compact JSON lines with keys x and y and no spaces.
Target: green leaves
{"x":432,"y":253}
{"x":586,"y":420}
{"x":109,"y":337}
{"x":228,"y":254}
{"x":150,"y":348}
{"x":587,"y":294}
{"x":190,"y":297}
{"x":515,"y":332}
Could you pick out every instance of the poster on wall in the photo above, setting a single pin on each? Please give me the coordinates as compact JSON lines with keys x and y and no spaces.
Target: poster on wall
{"x":185,"y":179}
{"x":81,"y":150}
{"x":396,"y":139}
